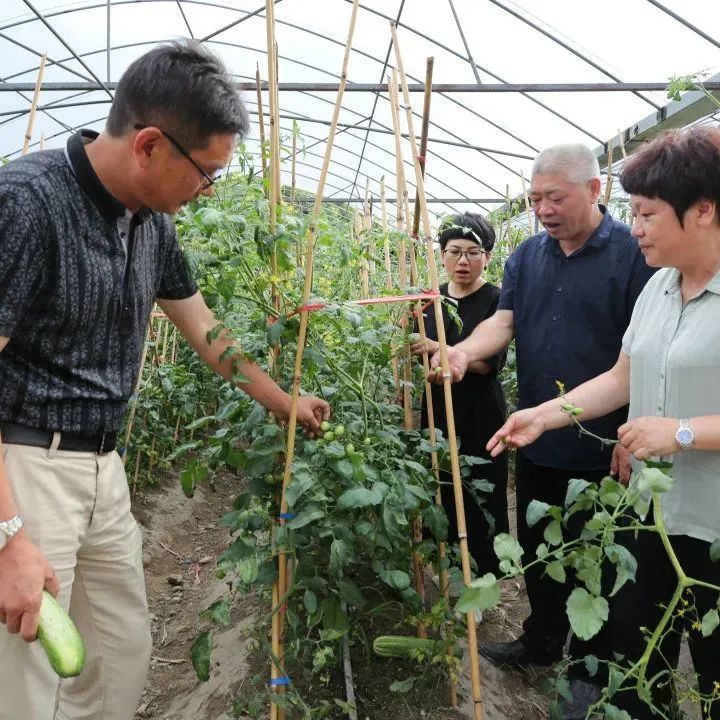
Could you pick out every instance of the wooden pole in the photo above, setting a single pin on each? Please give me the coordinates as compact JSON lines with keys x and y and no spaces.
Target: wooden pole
{"x":402,"y":248}
{"x":133,"y":407}
{"x":293,"y":171}
{"x":302,"y":334}
{"x":447,"y":388}
{"x":42,"y":141}
{"x":528,"y":208}
{"x":261,"y":119}
{"x":609,"y":181}
{"x":276,"y":712}
{"x":33,"y":106}
{"x":386,"y":238}
{"x":278,"y":165}
{"x":442,"y":549}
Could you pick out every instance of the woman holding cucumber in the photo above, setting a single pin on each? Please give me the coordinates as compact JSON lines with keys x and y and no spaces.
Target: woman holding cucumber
{"x":466,"y":242}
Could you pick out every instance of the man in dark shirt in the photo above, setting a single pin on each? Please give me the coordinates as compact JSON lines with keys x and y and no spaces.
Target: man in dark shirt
{"x":567,"y":297}
{"x":86,"y":248}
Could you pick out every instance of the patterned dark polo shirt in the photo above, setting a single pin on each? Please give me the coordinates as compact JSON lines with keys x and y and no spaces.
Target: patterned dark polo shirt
{"x":75,"y":296}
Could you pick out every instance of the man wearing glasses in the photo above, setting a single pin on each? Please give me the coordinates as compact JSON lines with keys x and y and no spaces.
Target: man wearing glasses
{"x":86,"y":247}
{"x":567,"y":297}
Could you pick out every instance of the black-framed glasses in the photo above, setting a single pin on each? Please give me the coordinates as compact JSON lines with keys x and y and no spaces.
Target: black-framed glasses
{"x":209,"y":180}
{"x":472,"y":255}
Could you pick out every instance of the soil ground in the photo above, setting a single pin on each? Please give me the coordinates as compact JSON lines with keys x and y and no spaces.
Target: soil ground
{"x":182,"y":540}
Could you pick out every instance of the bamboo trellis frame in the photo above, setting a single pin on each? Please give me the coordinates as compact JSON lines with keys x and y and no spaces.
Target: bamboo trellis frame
{"x":447,"y":388}
{"x":33,"y":107}
{"x":277,"y":662}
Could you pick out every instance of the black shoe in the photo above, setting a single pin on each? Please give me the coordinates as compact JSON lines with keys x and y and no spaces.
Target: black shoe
{"x":584,"y":694}
{"x":518,"y":654}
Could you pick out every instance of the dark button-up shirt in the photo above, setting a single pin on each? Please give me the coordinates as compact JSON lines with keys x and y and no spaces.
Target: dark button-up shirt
{"x":570,"y":314}
{"x":74,"y":301}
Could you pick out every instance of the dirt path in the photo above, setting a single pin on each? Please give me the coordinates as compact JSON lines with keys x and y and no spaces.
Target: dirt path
{"x":182,"y":540}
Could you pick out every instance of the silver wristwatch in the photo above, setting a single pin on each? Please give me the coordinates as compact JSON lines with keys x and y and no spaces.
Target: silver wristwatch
{"x":9,"y":529}
{"x":684,"y":435}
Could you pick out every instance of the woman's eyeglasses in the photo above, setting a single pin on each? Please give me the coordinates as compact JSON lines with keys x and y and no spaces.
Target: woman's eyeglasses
{"x":473,"y":255}
{"x":209,"y":180}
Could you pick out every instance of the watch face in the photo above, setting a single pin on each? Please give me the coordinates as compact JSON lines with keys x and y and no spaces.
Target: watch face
{"x":685,"y":436}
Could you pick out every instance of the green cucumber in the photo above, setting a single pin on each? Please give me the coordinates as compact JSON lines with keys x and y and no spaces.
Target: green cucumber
{"x":60,"y":638}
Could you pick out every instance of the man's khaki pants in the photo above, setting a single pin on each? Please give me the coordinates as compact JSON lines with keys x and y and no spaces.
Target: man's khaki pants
{"x":76,"y":509}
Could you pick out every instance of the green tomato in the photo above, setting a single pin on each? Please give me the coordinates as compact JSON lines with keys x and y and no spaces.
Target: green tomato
{"x":367,"y":441}
{"x":349,"y":448}
{"x":339,"y":431}
{"x":325,"y":425}
{"x":269,"y":479}
{"x":329,"y":436}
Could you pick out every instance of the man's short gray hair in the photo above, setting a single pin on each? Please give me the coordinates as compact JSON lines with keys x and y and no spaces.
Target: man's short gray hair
{"x":575,"y":161}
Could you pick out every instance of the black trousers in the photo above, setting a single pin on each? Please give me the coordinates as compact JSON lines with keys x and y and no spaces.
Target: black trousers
{"x":480,"y":532}
{"x":547,"y":627}
{"x":639,"y":605}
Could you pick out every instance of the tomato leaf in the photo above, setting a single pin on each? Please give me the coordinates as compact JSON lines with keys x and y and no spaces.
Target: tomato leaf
{"x":586,"y":613}
{"x":200,"y":654}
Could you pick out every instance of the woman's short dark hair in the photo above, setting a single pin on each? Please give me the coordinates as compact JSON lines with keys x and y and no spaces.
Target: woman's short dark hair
{"x":182,"y":88}
{"x":679,"y":167}
{"x":468,"y":226}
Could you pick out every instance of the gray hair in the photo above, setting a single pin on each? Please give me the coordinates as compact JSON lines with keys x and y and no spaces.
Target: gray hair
{"x":575,"y":161}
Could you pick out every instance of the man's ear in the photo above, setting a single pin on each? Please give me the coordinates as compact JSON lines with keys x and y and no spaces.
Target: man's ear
{"x":145,"y":145}
{"x":594,"y":186}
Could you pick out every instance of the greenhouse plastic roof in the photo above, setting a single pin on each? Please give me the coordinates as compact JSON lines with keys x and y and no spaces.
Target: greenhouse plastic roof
{"x":480,"y":142}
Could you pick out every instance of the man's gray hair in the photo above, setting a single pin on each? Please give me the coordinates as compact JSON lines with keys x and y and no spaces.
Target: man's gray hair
{"x":575,"y":161}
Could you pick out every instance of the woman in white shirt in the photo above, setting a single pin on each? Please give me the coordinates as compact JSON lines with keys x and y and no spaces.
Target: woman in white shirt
{"x":669,"y":372}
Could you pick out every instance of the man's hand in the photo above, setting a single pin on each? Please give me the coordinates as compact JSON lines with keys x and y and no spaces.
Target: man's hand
{"x":418,"y":348}
{"x":620,"y":465}
{"x":311,"y":412}
{"x":648,"y":437}
{"x":520,"y":429}
{"x":24,"y":573}
{"x":458,"y":361}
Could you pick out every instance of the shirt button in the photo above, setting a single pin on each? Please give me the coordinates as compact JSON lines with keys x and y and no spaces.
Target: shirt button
{"x":559,"y":289}
{"x":554,"y":317}
{"x":548,"y":347}
{"x":122,"y":235}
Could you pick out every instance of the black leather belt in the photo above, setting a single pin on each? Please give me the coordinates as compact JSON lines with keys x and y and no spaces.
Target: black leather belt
{"x":13,"y":434}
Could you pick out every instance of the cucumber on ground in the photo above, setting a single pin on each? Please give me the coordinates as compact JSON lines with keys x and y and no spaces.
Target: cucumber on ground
{"x":401,"y":646}
{"x":60,"y":638}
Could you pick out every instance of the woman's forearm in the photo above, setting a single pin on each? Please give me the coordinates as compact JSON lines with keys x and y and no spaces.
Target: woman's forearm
{"x":596,"y":397}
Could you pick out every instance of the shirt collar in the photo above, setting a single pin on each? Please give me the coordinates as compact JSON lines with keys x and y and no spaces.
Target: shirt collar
{"x":673,"y":283}
{"x":108,"y":205}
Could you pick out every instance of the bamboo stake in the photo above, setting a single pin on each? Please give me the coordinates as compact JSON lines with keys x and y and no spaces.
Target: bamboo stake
{"x":297,"y":373}
{"x":416,"y":528}
{"x":359,"y":235}
{"x":402,"y":248}
{"x":386,"y":238}
{"x":508,"y":231}
{"x":278,"y":165}
{"x":388,"y":273}
{"x":293,"y":172}
{"x":174,"y":345}
{"x":447,"y":388}
{"x":276,"y":713}
{"x":133,"y":409}
{"x":42,"y":141}
{"x":609,"y":181}
{"x":261,"y":119}
{"x":33,"y":106}
{"x":442,"y":550}
{"x":527,"y":204}
{"x":621,"y":142}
